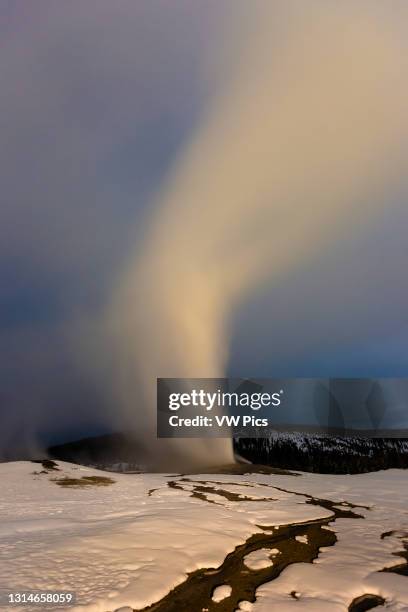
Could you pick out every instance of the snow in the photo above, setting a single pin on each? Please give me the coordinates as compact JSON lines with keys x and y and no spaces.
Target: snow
{"x":302,"y":539}
{"x":245,"y":606}
{"x":260,"y":559}
{"x":128,"y":544}
{"x":221,"y":592}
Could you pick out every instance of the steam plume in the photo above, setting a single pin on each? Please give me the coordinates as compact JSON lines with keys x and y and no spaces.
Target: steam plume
{"x":304,"y":128}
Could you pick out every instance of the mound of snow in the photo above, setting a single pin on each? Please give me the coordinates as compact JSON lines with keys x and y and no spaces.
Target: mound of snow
{"x":221,"y":592}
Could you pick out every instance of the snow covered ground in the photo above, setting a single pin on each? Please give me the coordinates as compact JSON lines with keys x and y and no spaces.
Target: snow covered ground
{"x":129,"y":543}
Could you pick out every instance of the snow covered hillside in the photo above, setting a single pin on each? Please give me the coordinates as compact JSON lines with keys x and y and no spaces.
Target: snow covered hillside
{"x":248,"y":542}
{"x":325,"y":454}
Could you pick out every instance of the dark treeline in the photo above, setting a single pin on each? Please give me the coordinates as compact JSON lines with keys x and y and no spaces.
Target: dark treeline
{"x":325,"y":454}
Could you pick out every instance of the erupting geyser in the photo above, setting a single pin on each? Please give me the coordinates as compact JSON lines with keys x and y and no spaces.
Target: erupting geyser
{"x":303,"y":130}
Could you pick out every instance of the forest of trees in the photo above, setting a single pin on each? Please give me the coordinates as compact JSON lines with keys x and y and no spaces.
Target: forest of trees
{"x":325,"y":454}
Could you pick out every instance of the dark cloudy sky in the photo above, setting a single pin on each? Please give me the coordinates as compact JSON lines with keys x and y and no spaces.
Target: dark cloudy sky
{"x":96,"y":100}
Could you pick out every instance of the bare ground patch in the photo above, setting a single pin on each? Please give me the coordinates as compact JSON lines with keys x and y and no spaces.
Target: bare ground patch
{"x":84,"y":481}
{"x":366,"y":602}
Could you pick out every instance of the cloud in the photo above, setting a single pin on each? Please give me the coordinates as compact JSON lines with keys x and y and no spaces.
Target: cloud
{"x":95,"y":100}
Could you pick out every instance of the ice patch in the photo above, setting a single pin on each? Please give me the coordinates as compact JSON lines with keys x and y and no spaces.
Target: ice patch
{"x":245,"y":606}
{"x":259,"y":559}
{"x":302,"y":538}
{"x":221,"y":592}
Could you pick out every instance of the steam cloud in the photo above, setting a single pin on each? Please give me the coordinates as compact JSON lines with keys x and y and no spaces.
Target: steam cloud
{"x":306,"y":125}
